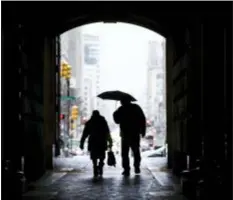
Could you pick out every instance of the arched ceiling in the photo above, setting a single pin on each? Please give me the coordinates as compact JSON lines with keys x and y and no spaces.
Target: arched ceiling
{"x":60,"y":16}
{"x":165,"y":18}
{"x":64,"y":16}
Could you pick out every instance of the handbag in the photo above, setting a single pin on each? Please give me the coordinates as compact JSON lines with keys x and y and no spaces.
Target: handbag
{"x":111,"y":161}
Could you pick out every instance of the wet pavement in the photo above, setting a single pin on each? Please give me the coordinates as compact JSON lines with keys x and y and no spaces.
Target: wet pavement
{"x":72,"y":179}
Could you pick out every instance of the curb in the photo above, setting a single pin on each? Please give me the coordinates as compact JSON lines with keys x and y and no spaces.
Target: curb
{"x":158,"y":172}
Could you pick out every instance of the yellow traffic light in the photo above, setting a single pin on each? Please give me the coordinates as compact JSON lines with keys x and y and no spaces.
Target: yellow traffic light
{"x":68,"y":71}
{"x":74,"y":112}
{"x":65,"y":70}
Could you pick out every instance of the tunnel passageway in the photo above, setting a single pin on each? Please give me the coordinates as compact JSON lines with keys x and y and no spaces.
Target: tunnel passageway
{"x":198,"y":53}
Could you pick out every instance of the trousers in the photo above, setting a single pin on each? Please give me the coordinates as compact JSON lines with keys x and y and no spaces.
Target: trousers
{"x":134,"y":145}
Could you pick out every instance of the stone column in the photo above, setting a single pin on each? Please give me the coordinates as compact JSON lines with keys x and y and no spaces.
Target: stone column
{"x":213,"y":42}
{"x":195,"y":98}
{"x":49,"y":101}
{"x":228,"y":109}
{"x":169,"y":102}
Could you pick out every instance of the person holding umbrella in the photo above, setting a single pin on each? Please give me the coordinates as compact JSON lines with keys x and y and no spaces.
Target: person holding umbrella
{"x":132,"y":123}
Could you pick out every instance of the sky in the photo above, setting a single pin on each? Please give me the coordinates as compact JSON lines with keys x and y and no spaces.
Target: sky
{"x":124,"y":52}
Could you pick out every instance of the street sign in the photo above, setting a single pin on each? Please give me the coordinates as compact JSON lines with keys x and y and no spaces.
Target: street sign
{"x":63,"y":98}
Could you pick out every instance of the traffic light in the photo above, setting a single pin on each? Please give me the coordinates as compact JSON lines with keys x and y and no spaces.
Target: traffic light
{"x":68,"y":75}
{"x":62,"y":116}
{"x":74,"y":112}
{"x":65,"y":70}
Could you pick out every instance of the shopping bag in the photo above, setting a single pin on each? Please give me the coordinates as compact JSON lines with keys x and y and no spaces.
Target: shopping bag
{"x":111,"y":159}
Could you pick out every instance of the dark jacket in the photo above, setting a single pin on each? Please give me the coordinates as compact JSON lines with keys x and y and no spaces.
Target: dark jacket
{"x":98,"y":132}
{"x":131,"y":119}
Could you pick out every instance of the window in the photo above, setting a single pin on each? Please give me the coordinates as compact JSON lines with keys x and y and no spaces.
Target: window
{"x":91,"y":54}
{"x":159,"y":76}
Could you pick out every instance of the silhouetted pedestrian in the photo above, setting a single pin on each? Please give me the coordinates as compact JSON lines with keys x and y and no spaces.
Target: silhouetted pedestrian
{"x":132,"y":123}
{"x":99,"y":136}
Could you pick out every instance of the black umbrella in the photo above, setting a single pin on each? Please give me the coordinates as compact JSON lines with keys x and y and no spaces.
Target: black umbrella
{"x":116,"y":95}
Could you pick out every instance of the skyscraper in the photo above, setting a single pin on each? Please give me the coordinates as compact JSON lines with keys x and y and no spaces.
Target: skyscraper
{"x":70,"y":53}
{"x":90,"y":54}
{"x":70,"y":48}
{"x":156,"y":82}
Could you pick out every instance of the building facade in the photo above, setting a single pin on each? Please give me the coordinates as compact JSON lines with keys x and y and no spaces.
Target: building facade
{"x":81,"y":51}
{"x":156,"y":91}
{"x":70,"y":52}
{"x":90,"y":85}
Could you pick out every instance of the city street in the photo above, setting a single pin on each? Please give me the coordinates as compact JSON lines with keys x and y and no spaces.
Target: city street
{"x":72,"y":179}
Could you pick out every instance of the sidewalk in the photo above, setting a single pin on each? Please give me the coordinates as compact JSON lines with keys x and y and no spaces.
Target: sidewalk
{"x":75,"y":163}
{"x":158,"y":167}
{"x":62,"y":166}
{"x":72,"y":179}
{"x":82,"y":164}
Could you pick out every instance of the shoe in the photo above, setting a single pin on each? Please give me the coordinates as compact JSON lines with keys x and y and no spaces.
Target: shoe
{"x":137,"y":170}
{"x":126,"y":173}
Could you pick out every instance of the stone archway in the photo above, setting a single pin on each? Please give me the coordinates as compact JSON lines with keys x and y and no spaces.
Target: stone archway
{"x":203,"y":30}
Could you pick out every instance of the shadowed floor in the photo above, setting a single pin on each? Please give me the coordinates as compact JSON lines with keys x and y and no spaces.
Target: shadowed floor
{"x":72,"y":179}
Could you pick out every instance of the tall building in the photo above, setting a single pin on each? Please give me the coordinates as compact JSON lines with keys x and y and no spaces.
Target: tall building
{"x":82,"y":51}
{"x":90,"y":85}
{"x":87,"y":97}
{"x":70,"y":48}
{"x":70,"y":52}
{"x":156,"y":83}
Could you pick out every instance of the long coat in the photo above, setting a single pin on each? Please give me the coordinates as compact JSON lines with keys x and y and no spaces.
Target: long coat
{"x":132,"y":121}
{"x":98,"y":132}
